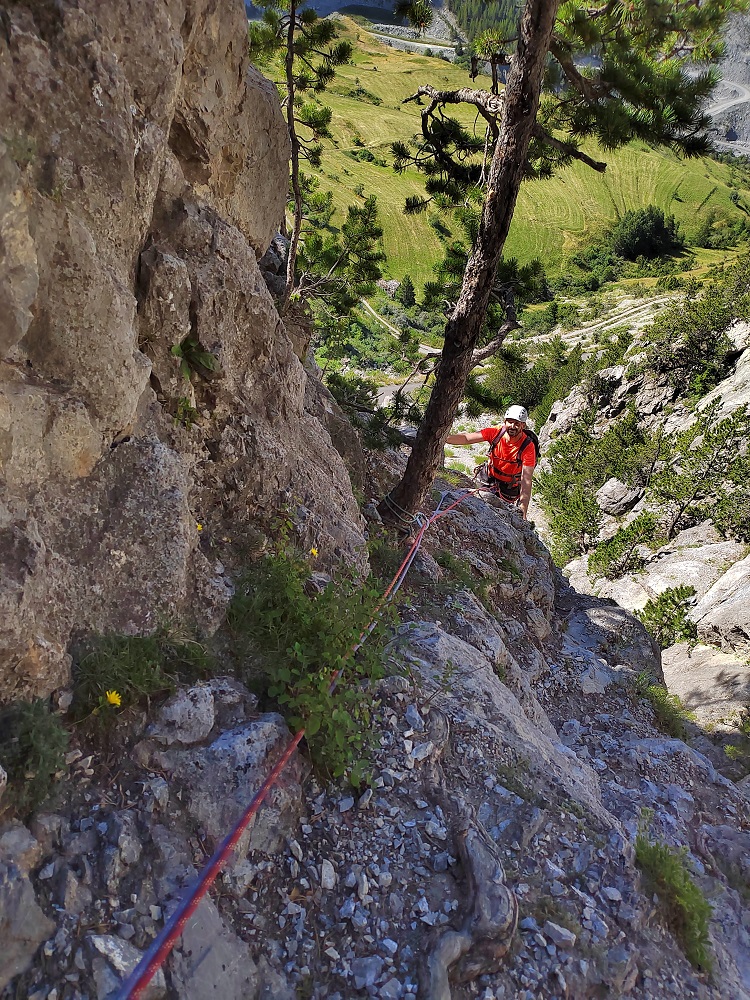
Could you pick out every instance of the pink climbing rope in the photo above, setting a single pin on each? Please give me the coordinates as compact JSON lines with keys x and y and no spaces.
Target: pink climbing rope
{"x":163,"y":944}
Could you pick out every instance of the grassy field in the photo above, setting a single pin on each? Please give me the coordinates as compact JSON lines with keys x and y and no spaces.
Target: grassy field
{"x":552,"y":216}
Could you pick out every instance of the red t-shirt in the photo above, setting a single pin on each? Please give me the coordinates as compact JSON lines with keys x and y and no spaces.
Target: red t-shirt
{"x":503,"y":462}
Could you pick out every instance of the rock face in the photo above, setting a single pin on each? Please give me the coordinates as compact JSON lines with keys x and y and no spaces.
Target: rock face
{"x":723,"y":613}
{"x":492,"y":854}
{"x":143,"y":169}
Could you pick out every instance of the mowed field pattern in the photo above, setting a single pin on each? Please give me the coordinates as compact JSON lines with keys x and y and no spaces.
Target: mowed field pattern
{"x":552,"y":216}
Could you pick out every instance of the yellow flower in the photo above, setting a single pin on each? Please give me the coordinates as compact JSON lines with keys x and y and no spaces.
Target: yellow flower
{"x":313,"y":552}
{"x":199,"y":527}
{"x":113,"y":698}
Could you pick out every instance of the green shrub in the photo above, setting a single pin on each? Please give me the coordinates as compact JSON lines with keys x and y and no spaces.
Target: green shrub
{"x":33,"y":742}
{"x":688,"y":340}
{"x":666,"y":616}
{"x":686,"y":909}
{"x":618,"y":555}
{"x":669,"y":712}
{"x":297,"y":641}
{"x":645,"y":232}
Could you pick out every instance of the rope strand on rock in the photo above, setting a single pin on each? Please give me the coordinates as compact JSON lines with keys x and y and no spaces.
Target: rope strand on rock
{"x":163,"y":944}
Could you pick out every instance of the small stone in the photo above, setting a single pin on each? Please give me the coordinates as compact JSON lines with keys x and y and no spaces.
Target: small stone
{"x":414,"y":718}
{"x":392,"y":990}
{"x":422,"y":751}
{"x":366,"y":971}
{"x":385,"y":879}
{"x":346,"y":804}
{"x":612,"y":894}
{"x":561,"y":936}
{"x":363,"y":885}
{"x":295,"y":849}
{"x":327,"y":875}
{"x":365,"y":799}
{"x":332,"y":953}
{"x":390,"y":946}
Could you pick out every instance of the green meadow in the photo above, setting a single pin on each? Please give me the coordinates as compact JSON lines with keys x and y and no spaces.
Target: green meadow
{"x":552,"y":217}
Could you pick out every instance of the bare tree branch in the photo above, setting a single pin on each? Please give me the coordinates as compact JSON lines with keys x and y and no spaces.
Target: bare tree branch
{"x":490,"y":106}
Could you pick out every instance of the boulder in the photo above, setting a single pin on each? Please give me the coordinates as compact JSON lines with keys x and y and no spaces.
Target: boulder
{"x":220,"y":780}
{"x":733,"y":392}
{"x":23,"y":925}
{"x":723,"y":612}
{"x":696,"y":557}
{"x":616,"y":497}
{"x":713,"y":684}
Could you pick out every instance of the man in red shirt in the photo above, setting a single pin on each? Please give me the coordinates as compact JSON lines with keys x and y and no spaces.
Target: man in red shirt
{"x":512,"y":458}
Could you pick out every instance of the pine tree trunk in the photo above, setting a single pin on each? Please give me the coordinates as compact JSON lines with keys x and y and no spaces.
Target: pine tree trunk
{"x":295,"y":152}
{"x":464,"y":326}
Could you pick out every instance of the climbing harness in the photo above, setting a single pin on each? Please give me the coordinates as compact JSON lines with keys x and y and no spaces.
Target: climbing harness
{"x":506,"y":484}
{"x":163,"y":944}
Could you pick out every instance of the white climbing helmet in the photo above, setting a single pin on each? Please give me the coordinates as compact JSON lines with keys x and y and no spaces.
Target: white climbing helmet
{"x":517,"y":413}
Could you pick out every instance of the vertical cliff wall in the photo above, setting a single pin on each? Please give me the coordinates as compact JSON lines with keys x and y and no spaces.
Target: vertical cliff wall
{"x":143,"y":171}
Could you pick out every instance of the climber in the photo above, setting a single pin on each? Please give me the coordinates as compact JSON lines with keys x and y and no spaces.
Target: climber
{"x":513,"y":454}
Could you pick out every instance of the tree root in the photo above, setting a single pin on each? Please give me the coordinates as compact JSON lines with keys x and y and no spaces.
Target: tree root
{"x":479,"y":945}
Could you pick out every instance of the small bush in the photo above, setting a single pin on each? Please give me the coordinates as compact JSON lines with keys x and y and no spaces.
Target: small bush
{"x":669,"y":712}
{"x":619,"y":554}
{"x":33,"y":742}
{"x":665,"y":617}
{"x":299,"y":641}
{"x":686,"y":909}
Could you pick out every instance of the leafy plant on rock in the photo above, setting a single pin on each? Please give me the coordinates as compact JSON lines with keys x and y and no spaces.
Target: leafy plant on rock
{"x":135,"y":667}
{"x":299,"y":638}
{"x":33,"y":742}
{"x":666,"y":616}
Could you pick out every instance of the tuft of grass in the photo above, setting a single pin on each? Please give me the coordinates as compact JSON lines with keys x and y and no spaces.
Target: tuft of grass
{"x":33,"y":742}
{"x":686,"y":909}
{"x":135,"y":667}
{"x":671,"y":715}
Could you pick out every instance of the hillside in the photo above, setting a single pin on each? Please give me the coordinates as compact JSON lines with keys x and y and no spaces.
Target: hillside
{"x":552,"y":217}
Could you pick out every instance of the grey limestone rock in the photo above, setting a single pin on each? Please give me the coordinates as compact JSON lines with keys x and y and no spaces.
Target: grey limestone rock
{"x":23,"y":925}
{"x":723,"y":613}
{"x":220,"y":780}
{"x":616,"y":498}
{"x":187,"y":717}
{"x":113,"y":960}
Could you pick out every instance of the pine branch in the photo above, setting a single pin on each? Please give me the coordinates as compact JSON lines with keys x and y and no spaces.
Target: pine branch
{"x":567,"y":148}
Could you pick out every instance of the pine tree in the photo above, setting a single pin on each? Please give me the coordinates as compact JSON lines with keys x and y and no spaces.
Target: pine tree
{"x":310,"y":61}
{"x":710,"y":470}
{"x":640,"y":85}
{"x":406,"y":294}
